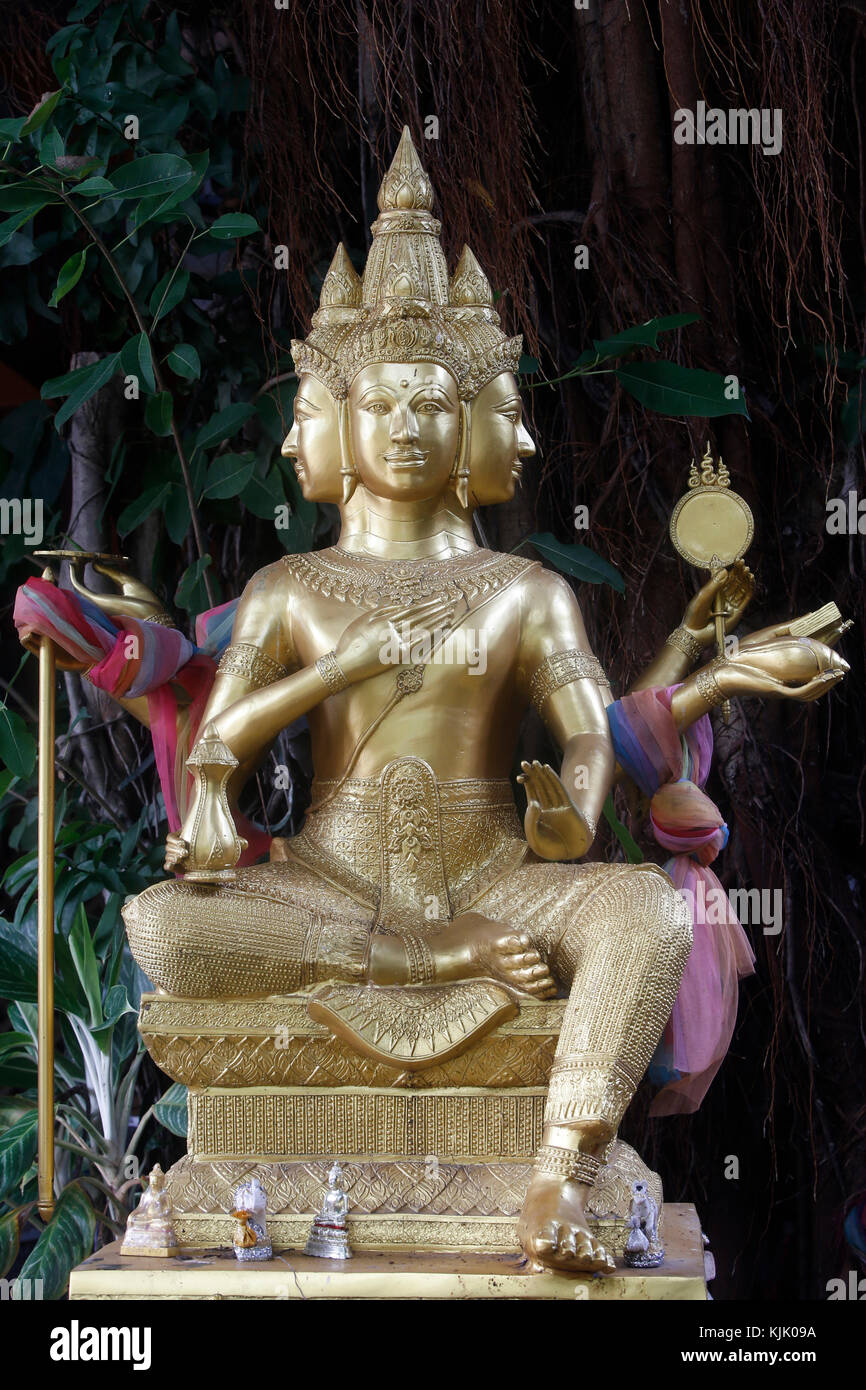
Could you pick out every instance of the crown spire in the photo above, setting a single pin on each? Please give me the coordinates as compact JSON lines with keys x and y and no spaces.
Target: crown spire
{"x":406,"y":187}
{"x":469,"y":285}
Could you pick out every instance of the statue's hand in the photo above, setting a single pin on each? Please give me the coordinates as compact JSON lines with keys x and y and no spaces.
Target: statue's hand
{"x":32,"y":641}
{"x":176,"y":850}
{"x":786,"y":668}
{"x":794,"y":661}
{"x":737,"y":585}
{"x":554,"y":827}
{"x":375,"y":641}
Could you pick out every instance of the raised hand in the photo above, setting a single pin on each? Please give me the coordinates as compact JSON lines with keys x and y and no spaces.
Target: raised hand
{"x":553,"y":826}
{"x":737,"y":585}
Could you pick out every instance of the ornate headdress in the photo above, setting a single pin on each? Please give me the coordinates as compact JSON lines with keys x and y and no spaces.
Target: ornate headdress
{"x":404,"y":309}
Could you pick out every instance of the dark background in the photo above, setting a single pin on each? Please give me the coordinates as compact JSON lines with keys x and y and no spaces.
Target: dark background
{"x":555,"y":129}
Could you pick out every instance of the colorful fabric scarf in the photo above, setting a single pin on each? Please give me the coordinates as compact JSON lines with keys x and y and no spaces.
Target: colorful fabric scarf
{"x":671,"y":769}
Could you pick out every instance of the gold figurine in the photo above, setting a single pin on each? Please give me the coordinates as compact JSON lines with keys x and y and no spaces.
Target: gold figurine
{"x":413,"y":901}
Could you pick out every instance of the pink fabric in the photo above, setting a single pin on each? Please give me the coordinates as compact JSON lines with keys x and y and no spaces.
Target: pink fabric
{"x":685,"y":820}
{"x":127,"y":659}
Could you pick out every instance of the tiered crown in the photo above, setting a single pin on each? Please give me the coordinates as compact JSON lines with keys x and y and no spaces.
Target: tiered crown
{"x":404,"y":309}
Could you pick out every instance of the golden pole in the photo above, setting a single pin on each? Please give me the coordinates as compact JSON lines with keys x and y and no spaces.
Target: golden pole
{"x":719,"y":623}
{"x":45,"y":921}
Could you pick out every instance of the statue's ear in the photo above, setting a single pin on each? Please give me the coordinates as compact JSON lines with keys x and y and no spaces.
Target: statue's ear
{"x":460,"y":472}
{"x":348,"y":471}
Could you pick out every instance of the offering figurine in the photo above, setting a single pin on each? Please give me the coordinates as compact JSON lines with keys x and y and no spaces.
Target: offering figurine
{"x":250,"y":1240}
{"x":149,"y":1229}
{"x":643,"y":1250}
{"x":329,"y":1234}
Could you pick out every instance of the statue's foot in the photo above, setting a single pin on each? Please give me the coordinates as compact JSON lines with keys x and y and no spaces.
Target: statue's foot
{"x":475,"y":947}
{"x":554,"y":1231}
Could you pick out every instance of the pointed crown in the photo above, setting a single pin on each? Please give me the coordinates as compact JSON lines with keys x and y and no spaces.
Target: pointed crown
{"x":404,"y":309}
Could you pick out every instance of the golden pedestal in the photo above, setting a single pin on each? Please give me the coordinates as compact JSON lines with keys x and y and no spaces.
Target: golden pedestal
{"x":393,"y":1274}
{"x":438,"y":1159}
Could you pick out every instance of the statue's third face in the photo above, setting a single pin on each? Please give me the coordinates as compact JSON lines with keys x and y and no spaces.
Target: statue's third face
{"x":499,"y":441}
{"x":314,"y":442}
{"x":405,"y":422}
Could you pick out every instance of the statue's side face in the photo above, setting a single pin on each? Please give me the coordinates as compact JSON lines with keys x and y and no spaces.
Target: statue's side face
{"x":314,"y":442}
{"x":405,"y":425}
{"x":498,"y":442}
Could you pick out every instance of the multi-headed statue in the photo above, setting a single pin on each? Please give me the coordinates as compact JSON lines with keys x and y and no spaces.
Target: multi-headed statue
{"x":414,"y":655}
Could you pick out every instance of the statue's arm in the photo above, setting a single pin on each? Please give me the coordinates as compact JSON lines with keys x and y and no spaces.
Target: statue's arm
{"x":560,"y":675}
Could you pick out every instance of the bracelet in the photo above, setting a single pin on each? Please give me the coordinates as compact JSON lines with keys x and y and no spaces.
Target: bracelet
{"x":419,"y":958}
{"x":568,"y":1163}
{"x":244,"y":660}
{"x":561,"y":668}
{"x":707,"y":682}
{"x":332,"y":673}
{"x":685,"y":642}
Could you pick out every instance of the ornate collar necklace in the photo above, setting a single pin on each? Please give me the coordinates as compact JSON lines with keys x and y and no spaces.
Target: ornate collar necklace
{"x":368,"y":582}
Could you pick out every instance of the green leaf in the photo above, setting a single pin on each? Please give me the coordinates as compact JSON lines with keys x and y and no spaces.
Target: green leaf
{"x":14,"y":223}
{"x":641,"y":335}
{"x":17,"y":1151}
{"x":633,"y":852}
{"x":17,"y":744}
{"x":673,"y":390}
{"x":177,"y":515}
{"x":228,"y":475}
{"x":86,"y":964}
{"x":262,"y":496}
{"x":578,"y":560}
{"x":191,"y":593}
{"x":40,"y":113}
{"x":168,"y":293}
{"x":136,"y":359}
{"x":65,"y":1242}
{"x":150,"y":175}
{"x":116,"y":1005}
{"x":184,"y":361}
{"x":223,"y":425}
{"x":157,"y":413}
{"x":70,"y":273}
{"x":171,"y":1110}
{"x":527,"y":366}
{"x":8,"y":1242}
{"x":80,"y":385}
{"x":233,"y":224}
{"x":94,"y":185}
{"x":11,"y":127}
{"x":139,"y":510}
{"x":22,"y":196}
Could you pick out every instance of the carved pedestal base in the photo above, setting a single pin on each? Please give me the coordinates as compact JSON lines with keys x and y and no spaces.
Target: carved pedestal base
{"x":437,"y":1159}
{"x":377,"y":1275}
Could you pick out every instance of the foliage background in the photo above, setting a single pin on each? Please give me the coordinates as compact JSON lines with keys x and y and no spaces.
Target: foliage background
{"x":555,"y":129}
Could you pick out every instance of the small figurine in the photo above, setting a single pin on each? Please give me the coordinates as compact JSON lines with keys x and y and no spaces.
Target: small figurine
{"x":643,"y":1249}
{"x":149,"y":1229}
{"x":329,"y":1235}
{"x":250,"y":1239}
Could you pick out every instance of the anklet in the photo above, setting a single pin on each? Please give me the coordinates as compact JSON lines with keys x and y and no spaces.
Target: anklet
{"x":568,"y":1163}
{"x":419,"y":958}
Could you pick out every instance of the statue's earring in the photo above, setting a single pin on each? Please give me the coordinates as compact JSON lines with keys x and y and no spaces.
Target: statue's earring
{"x":461,"y":485}
{"x":348,"y":471}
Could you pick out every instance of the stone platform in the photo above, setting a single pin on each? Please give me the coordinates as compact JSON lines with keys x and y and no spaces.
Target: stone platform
{"x":392,"y":1274}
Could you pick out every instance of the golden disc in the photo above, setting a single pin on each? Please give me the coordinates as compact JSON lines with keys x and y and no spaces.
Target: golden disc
{"x":712,"y":527}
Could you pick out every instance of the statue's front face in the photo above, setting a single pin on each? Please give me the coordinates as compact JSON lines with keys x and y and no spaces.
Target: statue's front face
{"x":314,"y":442}
{"x":405,"y":424}
{"x":499,"y":441}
